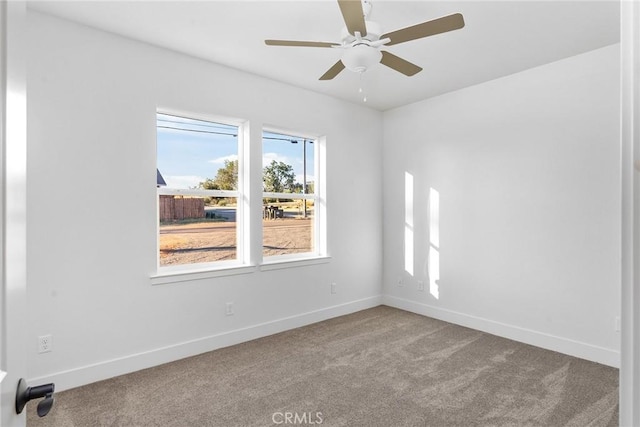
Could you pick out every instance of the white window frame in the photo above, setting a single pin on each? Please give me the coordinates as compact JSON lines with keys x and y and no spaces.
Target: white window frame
{"x":182,"y":272}
{"x":249,"y":238}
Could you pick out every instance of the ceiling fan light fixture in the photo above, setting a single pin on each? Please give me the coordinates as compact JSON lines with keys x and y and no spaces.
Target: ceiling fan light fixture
{"x":361,"y":57}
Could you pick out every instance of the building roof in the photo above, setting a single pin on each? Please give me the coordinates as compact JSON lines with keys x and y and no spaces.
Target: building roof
{"x":160,"y":180}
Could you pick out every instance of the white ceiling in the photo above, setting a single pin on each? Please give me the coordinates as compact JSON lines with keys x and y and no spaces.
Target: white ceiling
{"x":500,"y":38}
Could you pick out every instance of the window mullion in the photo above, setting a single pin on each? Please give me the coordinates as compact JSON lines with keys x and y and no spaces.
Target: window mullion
{"x":288,"y":196}
{"x":165,"y":191}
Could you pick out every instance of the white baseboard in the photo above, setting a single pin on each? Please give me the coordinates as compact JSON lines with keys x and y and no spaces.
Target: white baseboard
{"x":582,"y":350}
{"x":76,"y":377}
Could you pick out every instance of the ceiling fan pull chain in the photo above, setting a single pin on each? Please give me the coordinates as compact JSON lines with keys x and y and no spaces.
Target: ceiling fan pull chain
{"x":362,"y":90}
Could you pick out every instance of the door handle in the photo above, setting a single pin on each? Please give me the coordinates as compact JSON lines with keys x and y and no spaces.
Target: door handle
{"x":25,"y":394}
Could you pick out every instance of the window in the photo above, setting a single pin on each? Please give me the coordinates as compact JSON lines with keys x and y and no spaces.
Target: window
{"x":207,"y":205}
{"x":290,"y":202}
{"x":198,"y":192}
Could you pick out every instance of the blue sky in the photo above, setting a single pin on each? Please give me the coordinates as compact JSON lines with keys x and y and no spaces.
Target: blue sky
{"x":187,"y":157}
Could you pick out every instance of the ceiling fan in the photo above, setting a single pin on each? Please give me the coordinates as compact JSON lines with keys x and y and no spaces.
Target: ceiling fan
{"x":362,"y":40}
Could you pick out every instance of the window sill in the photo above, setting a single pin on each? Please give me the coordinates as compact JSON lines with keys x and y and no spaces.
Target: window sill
{"x":279,"y":264}
{"x":176,"y":276}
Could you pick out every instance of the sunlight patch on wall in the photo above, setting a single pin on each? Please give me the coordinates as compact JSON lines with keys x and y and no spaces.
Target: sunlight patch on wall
{"x":434,"y":242}
{"x":408,"y":223}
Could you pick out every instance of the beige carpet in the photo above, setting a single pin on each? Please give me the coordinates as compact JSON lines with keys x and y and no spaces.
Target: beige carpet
{"x":377,"y":367}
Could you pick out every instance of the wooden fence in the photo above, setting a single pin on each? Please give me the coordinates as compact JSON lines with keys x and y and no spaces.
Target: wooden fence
{"x":179,"y":207}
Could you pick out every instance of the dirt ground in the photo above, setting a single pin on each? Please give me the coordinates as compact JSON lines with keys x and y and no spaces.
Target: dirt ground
{"x":216,"y":241}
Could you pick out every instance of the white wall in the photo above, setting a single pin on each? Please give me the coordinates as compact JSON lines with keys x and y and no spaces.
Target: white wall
{"x":527,"y":170}
{"x":92,"y":99}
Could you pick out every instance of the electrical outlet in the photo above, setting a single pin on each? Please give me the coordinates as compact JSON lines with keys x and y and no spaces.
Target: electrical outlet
{"x":617,"y":324}
{"x":45,"y":343}
{"x":400,"y":282}
{"x":229,"y":309}
{"x":333,"y":287}
{"x":420,"y":285}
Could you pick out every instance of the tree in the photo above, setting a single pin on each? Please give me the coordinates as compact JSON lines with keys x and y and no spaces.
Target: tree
{"x":226,"y":178}
{"x":278,"y":177}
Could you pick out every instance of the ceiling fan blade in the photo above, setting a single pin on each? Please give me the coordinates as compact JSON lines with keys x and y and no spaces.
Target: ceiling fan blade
{"x":426,"y":29}
{"x":299,"y":43}
{"x":399,"y":64}
{"x":333,"y":71}
{"x":353,"y":16}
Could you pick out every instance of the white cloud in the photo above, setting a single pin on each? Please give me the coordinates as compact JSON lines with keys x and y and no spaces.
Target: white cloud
{"x":183,"y":181}
{"x":267,"y":158}
{"x":221,"y":160}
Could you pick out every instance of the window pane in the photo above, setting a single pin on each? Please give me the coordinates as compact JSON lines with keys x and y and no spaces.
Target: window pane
{"x":196,"y":229}
{"x":288,"y":167}
{"x":288,"y":164}
{"x":286,"y":230}
{"x":196,"y":154}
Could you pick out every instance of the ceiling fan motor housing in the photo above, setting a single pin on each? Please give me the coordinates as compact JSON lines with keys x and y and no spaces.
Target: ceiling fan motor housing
{"x":359,"y":55}
{"x":374,"y":31}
